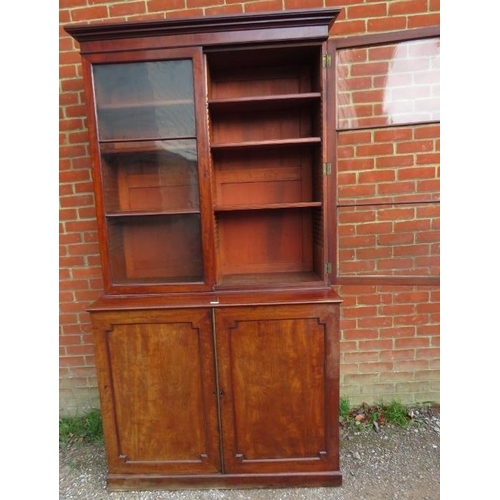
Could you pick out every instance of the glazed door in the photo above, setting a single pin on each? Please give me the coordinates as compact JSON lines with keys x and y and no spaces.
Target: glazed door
{"x":278,"y":376}
{"x":158,"y":391}
{"x":151,"y":147}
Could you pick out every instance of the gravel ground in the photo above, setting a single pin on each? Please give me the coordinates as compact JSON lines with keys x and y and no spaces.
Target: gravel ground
{"x":384,"y":463}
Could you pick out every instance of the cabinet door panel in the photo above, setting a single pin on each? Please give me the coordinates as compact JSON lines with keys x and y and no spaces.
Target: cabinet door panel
{"x":278,"y":372}
{"x":160,"y":410}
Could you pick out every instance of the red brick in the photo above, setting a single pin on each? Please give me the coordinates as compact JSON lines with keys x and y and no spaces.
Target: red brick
{"x":370,"y":68}
{"x":349,"y":368}
{"x":72,"y":361}
{"x":375,"y":298}
{"x":192,"y":3}
{"x":224,"y":10}
{"x":355,"y":164}
{"x":434,"y":5}
{"x":89,"y":13}
{"x":382,"y":53}
{"x":346,"y":178}
{"x":387,"y":24}
{"x":414,"y":319}
{"x":428,"y":158}
{"x":395,"y":188}
{"x":396,"y":213}
{"x":184,"y":13}
{"x":367,"y":10}
{"x":130,"y":8}
{"x":365,"y":267}
{"x":381,"y":367}
{"x":376,"y":176}
{"x":357,"y":241}
{"x":396,"y":239}
{"x":355,"y":137}
{"x":83,"y":249}
{"x":414,"y":147}
{"x":77,"y":201}
{"x":345,"y":152}
{"x":373,"y":253}
{"x":375,"y":228}
{"x":362,"y":82}
{"x":302,"y":4}
{"x":374,"y":322}
{"x":411,"y":251}
{"x":394,"y":161}
{"x":428,"y":237}
{"x":408,"y":7}
{"x":394,"y":264}
{"x":354,"y":217}
{"x":360,"y":191}
{"x":356,"y":357}
{"x":375,"y":149}
{"x":366,"y":96}
{"x":344,"y":28}
{"x":396,"y":134}
{"x":430,"y":353}
{"x":393,"y":354}
{"x":413,"y":225}
{"x":266,"y":5}
{"x":423,"y":20}
{"x":354,"y":290}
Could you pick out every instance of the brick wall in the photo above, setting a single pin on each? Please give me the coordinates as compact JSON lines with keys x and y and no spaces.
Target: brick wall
{"x":390,"y":334}
{"x":388,"y":192}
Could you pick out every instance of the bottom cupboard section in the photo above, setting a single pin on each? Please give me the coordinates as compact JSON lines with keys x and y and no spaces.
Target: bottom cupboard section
{"x":243,"y":396}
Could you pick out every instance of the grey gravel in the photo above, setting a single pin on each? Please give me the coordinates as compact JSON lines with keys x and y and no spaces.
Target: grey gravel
{"x":388,"y":463}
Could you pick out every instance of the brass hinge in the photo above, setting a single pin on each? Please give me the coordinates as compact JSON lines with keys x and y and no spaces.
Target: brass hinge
{"x":328,"y":268}
{"x":327,"y":168}
{"x":327,"y":60}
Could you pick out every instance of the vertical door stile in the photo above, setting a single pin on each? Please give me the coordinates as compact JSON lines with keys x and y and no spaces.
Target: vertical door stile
{"x":330,"y":157}
{"x":204,"y":169}
{"x":218,"y":391}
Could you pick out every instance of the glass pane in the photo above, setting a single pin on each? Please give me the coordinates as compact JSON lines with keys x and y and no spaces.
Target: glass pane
{"x":388,"y":84}
{"x":151,"y":100}
{"x":150,"y":176}
{"x":155,"y":249}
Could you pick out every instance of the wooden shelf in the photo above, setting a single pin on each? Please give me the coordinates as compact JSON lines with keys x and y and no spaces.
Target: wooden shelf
{"x":145,"y":104}
{"x":266,"y":144}
{"x":259,"y":103}
{"x":292,"y":278}
{"x":146,"y":146}
{"x":151,"y":213}
{"x":268,"y":206}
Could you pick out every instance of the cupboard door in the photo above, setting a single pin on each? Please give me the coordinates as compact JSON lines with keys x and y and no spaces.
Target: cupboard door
{"x":158,"y":391}
{"x":278,"y":376}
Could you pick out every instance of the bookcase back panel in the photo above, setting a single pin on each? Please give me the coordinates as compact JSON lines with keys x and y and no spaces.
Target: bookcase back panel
{"x":250,"y":126}
{"x":265,"y":241}
{"x":156,"y":249}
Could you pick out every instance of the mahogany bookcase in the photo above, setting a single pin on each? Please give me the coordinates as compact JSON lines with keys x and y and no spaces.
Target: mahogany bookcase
{"x":217,"y":337}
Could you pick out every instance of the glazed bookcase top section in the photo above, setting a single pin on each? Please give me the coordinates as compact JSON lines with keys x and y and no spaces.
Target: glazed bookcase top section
{"x":298,"y":18}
